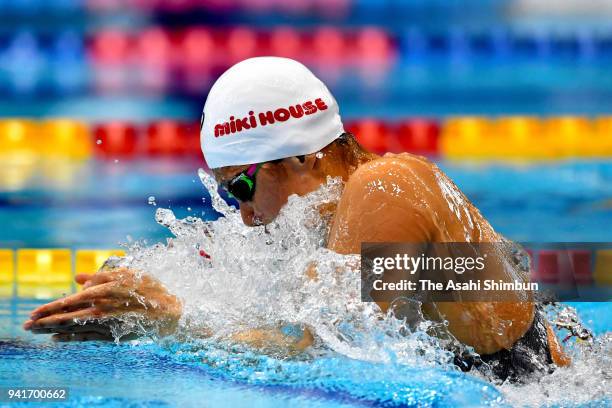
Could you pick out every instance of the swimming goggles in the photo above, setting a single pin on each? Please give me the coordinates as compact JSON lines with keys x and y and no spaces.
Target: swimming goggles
{"x":242,"y":186}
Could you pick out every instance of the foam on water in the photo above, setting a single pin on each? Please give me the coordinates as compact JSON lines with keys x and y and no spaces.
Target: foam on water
{"x":255,"y":277}
{"x":587,"y":380}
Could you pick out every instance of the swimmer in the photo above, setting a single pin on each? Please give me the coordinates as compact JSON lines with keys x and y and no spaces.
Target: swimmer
{"x":271,"y":129}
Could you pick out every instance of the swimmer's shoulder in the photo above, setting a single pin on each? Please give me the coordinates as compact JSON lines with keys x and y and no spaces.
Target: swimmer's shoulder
{"x":405,"y":170}
{"x":384,"y":201}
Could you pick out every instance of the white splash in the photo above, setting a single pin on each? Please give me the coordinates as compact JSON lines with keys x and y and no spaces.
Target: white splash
{"x":587,"y":381}
{"x":256,"y":277}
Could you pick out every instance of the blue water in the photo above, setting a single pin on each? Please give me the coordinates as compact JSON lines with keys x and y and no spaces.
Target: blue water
{"x":554,"y":202}
{"x":106,"y":201}
{"x":146,"y":374}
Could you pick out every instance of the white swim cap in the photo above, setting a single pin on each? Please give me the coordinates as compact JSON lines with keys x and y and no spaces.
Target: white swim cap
{"x":267,"y":108}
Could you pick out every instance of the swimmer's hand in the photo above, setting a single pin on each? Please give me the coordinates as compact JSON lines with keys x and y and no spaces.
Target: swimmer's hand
{"x":107,"y":296}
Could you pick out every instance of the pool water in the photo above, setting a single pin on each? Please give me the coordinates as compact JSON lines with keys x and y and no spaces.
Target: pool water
{"x":546,"y":202}
{"x":105,"y":203}
{"x":146,"y":374}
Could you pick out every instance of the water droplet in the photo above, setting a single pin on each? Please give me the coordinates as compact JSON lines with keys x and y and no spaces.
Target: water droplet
{"x":116,"y":160}
{"x":188,"y":208}
{"x":319,"y":155}
{"x":99,"y":141}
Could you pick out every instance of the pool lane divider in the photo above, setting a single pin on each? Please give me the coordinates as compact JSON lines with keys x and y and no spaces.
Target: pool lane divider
{"x":7,"y":273}
{"x":47,"y":273}
{"x":603,"y":267}
{"x":510,"y":138}
{"x":161,"y":61}
{"x":207,"y":47}
{"x":573,"y":266}
{"x":505,"y":138}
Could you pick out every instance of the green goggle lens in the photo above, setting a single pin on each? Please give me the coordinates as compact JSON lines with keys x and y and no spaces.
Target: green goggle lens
{"x":242,"y":187}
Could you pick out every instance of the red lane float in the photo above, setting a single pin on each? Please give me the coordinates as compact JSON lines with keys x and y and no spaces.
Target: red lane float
{"x":202,"y":48}
{"x":241,"y":43}
{"x":111,"y":47}
{"x":286,"y":42}
{"x":547,"y":267}
{"x":172,"y":138}
{"x":165,"y":137}
{"x":154,"y":48}
{"x":581,"y":266}
{"x":419,"y":136}
{"x":373,"y":45}
{"x":197,"y":49}
{"x":115,"y":139}
{"x":373,"y":135}
{"x":564,"y":266}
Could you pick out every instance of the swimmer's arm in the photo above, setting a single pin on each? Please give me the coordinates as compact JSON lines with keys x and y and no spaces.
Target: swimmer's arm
{"x":107,"y":296}
{"x":110,"y":294}
{"x":380,"y":204}
{"x":390,"y":201}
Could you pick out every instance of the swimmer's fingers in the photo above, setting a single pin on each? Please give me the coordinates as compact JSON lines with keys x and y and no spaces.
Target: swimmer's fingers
{"x":95,"y":309}
{"x":64,"y":320}
{"x":86,"y":336}
{"x":89,"y":280}
{"x":103,"y":305}
{"x":74,"y":301}
{"x":82,"y":278}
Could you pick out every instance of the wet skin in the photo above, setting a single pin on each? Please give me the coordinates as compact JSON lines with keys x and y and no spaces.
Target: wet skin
{"x":394,"y":198}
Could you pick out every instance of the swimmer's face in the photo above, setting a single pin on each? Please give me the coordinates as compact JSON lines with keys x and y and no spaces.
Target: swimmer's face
{"x":275,"y":182}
